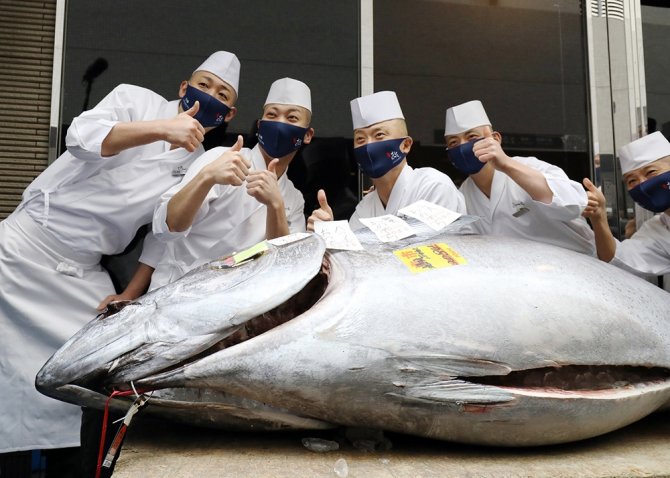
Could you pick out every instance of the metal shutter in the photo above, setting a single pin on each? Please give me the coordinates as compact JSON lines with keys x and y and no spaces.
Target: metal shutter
{"x":26,"y":59}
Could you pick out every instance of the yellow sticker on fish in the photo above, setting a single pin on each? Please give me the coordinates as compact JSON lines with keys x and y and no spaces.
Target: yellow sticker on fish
{"x":239,"y":258}
{"x":251,"y":253}
{"x":429,"y":257}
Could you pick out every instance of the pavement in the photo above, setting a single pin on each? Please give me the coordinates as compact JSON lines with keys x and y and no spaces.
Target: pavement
{"x":158,"y":448}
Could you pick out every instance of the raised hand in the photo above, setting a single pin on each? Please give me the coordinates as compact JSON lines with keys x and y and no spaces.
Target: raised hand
{"x":489,"y":150}
{"x":324,"y":213}
{"x":595,"y":208}
{"x":184,"y":131}
{"x":263,"y":186}
{"x":229,"y":168}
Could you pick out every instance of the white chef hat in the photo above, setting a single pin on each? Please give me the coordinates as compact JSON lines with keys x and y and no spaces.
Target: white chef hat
{"x":375,"y":108}
{"x":225,"y":65}
{"x":464,"y":117}
{"x":643,"y":151}
{"x":287,"y":91}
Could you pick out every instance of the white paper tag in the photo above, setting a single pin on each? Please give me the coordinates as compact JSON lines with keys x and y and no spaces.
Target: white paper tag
{"x":281,"y":241}
{"x":338,"y":235}
{"x":435,"y":216}
{"x":388,"y":228}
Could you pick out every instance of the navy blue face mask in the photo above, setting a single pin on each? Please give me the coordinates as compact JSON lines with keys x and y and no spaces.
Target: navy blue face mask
{"x":211,"y":111}
{"x":464,"y":159}
{"x":377,"y":159}
{"x":654,"y":193}
{"x":279,"y":139}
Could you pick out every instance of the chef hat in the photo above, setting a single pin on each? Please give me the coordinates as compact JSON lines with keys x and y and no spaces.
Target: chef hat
{"x":643,"y":151}
{"x":288,"y":91}
{"x":464,"y":117}
{"x":375,"y":108}
{"x":225,"y":65}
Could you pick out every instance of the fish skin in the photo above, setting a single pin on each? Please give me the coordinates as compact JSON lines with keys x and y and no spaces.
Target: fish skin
{"x":183,"y":318}
{"x":386,"y":348}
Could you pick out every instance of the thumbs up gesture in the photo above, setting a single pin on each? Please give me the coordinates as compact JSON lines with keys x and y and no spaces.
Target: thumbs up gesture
{"x":324,"y":213}
{"x":230,"y":168}
{"x":184,"y":131}
{"x":263,"y":186}
{"x":595,"y":207}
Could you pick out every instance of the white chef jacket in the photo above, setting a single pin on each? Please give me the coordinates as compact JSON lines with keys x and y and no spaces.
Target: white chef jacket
{"x":97,"y":204}
{"x":228,"y":220}
{"x":82,"y":206}
{"x":510,"y":211}
{"x":648,"y":250}
{"x":411,"y":186}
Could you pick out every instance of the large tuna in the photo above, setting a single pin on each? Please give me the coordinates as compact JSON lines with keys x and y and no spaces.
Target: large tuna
{"x":477,"y":339}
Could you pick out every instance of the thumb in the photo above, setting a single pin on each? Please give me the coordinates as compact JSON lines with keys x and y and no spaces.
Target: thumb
{"x":588,"y":184}
{"x":272,"y":167}
{"x":193,"y":110}
{"x":321,"y":197}
{"x":238,"y":144}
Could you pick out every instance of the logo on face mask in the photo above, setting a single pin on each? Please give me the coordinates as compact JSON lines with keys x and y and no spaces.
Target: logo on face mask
{"x":377,"y":159}
{"x":279,"y":139}
{"x":464,"y":159}
{"x":211,"y":111}
{"x":393,"y":155}
{"x":654,"y":193}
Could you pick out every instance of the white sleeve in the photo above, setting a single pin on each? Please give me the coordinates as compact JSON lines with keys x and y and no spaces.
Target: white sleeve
{"x":295,"y":213}
{"x":440,"y":189}
{"x":152,"y":250}
{"x":159,"y":223}
{"x":647,"y":252}
{"x":569,"y":197}
{"x":124,"y":103}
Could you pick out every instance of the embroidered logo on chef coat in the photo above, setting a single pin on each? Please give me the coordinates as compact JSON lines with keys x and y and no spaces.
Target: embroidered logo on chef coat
{"x":520,"y":209}
{"x":179,"y":171}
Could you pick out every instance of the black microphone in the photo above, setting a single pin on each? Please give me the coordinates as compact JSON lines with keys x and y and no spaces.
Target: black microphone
{"x":94,"y":70}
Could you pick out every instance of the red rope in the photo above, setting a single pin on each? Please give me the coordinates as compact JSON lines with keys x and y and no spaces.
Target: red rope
{"x":103,"y":433}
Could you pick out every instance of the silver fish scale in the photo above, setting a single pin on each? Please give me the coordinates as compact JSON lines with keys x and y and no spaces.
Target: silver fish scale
{"x":388,"y":348}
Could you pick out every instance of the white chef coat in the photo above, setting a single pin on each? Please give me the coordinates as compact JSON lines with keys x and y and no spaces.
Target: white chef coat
{"x":82,"y":206}
{"x":648,"y":250}
{"x":510,"y":211}
{"x":228,"y":220}
{"x":97,"y":204}
{"x":411,"y":186}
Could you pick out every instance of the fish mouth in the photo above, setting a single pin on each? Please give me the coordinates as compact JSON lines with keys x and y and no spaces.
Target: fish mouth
{"x":284,"y":312}
{"x":119,"y":375}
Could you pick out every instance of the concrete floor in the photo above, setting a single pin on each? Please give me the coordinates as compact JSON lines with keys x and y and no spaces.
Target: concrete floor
{"x":162,"y":449}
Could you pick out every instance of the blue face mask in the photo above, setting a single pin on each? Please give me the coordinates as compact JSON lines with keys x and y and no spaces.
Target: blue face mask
{"x":377,"y":159}
{"x":211,"y":111}
{"x":279,"y":139}
{"x":464,"y":159}
{"x":654,"y":193}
